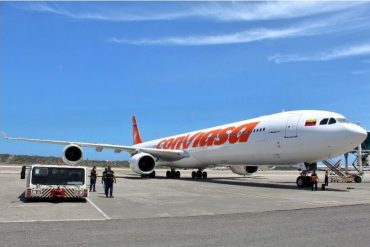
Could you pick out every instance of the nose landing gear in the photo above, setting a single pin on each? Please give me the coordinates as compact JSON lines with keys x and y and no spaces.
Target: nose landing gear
{"x":303,"y":181}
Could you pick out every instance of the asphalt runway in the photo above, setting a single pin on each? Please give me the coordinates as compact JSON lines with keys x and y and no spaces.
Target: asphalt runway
{"x":225,"y":210}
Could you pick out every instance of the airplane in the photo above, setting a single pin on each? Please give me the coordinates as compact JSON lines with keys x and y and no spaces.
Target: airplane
{"x":292,"y":137}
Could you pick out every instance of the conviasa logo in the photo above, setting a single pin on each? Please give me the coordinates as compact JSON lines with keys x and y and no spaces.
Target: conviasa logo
{"x":214,"y":137}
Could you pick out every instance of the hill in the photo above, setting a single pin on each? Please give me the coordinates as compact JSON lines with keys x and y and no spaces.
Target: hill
{"x":27,"y":159}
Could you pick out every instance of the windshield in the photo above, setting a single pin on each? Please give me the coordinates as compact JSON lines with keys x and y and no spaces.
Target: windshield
{"x":58,"y":176}
{"x":342,"y":120}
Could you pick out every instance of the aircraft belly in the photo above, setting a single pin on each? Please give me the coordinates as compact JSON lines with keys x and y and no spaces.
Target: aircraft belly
{"x":246,"y":153}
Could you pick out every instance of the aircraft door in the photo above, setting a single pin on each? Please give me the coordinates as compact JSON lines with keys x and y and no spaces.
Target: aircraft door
{"x":291,"y":129}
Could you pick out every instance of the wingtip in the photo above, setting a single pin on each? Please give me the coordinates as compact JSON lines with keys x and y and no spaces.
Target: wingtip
{"x":5,"y":136}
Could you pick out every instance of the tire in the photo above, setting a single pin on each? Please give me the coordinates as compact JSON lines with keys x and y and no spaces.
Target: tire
{"x":177,"y":174}
{"x":358,"y":179}
{"x":193,"y":174}
{"x":301,"y":182}
{"x":168,"y":174}
{"x":199,"y":174}
{"x":152,"y":175}
{"x":204,"y":175}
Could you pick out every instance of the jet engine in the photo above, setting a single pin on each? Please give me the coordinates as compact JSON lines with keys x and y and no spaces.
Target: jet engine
{"x":142,"y":163}
{"x":244,"y":170}
{"x":72,"y":154}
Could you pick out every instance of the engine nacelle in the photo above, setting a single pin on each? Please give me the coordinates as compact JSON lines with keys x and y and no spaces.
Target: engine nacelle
{"x":142,"y":163}
{"x":72,"y":154}
{"x":244,"y":170}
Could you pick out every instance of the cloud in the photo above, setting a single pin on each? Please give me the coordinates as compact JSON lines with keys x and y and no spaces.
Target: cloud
{"x":232,"y":38}
{"x":360,"y":72}
{"x":250,"y":11}
{"x":336,"y":23}
{"x":342,"y":52}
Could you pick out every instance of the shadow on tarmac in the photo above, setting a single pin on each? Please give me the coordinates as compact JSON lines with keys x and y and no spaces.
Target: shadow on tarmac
{"x":242,"y":182}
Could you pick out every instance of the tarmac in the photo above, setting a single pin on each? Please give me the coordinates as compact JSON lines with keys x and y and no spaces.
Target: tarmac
{"x":266,"y":209}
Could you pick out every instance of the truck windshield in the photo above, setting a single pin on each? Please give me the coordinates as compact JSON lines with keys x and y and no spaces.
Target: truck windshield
{"x":58,"y":176}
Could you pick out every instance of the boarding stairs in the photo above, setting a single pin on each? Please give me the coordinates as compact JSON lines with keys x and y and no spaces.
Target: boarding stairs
{"x":340,"y":174}
{"x":354,"y":166}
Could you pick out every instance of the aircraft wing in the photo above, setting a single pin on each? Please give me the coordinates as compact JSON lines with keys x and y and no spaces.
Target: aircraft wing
{"x":163,"y":154}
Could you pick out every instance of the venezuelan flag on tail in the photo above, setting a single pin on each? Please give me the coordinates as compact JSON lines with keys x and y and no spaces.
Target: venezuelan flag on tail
{"x":135,"y":130}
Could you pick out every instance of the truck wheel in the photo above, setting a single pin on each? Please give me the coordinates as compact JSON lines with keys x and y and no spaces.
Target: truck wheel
{"x":358,"y":179}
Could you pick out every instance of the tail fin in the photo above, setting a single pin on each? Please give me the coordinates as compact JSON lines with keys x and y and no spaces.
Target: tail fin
{"x":135,"y":130}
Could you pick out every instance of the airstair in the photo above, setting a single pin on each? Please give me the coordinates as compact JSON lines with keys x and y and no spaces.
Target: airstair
{"x":340,"y":175}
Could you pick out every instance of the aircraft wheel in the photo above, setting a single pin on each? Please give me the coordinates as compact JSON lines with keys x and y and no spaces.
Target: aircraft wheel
{"x":152,"y":175}
{"x":168,"y":174}
{"x":358,"y":179}
{"x":193,"y":174}
{"x":199,"y":174}
{"x":301,"y":182}
{"x":177,"y":174}
{"x":204,"y":175}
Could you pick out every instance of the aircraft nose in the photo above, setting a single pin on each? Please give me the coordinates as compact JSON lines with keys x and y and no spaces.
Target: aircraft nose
{"x":357,"y":134}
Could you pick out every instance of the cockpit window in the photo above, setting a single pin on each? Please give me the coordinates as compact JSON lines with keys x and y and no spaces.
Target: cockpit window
{"x":342,"y":120}
{"x":324,"y":121}
{"x":332,"y":121}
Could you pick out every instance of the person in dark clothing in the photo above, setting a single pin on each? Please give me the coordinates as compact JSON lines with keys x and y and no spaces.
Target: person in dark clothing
{"x":103,"y":177}
{"x":326,"y":178}
{"x":109,"y":179}
{"x":93,"y":175}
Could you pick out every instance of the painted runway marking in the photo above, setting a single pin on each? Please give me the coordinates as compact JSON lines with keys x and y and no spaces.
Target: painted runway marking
{"x":99,"y":210}
{"x":34,"y":221}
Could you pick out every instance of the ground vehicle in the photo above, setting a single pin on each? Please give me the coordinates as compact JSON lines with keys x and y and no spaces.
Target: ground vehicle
{"x":52,"y":181}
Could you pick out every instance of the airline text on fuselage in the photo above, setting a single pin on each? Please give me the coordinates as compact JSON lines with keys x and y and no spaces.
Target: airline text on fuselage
{"x":216,"y":137}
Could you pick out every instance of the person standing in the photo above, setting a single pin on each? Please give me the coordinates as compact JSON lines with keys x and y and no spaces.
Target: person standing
{"x":93,"y":175}
{"x":109,"y":179}
{"x":314,"y":180}
{"x":326,"y":178}
{"x":103,"y":177}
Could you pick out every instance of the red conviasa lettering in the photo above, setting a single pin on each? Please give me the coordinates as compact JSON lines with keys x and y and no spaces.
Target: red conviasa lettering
{"x":186,"y":142}
{"x":168,"y":143}
{"x":244,"y":131}
{"x":177,"y":142}
{"x":223,"y":136}
{"x":197,"y":140}
{"x":160,"y":144}
{"x":208,"y":138}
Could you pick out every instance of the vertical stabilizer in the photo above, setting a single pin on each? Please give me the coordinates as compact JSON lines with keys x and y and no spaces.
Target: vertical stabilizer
{"x":135,"y":130}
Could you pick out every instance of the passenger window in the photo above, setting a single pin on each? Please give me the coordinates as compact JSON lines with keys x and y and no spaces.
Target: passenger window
{"x":324,"y":121}
{"x":332,"y":121}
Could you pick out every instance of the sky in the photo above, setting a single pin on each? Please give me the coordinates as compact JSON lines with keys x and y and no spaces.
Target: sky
{"x":79,"y":70}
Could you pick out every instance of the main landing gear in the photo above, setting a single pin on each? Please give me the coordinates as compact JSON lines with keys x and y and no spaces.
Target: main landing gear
{"x":173,"y":174}
{"x":199,"y":174}
{"x":151,"y":175}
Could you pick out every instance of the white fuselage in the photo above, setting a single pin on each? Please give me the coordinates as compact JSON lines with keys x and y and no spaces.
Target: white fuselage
{"x":278,"y":139}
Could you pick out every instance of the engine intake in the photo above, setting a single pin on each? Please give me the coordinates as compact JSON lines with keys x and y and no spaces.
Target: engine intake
{"x":244,"y":170}
{"x":72,"y":154}
{"x":142,"y":163}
